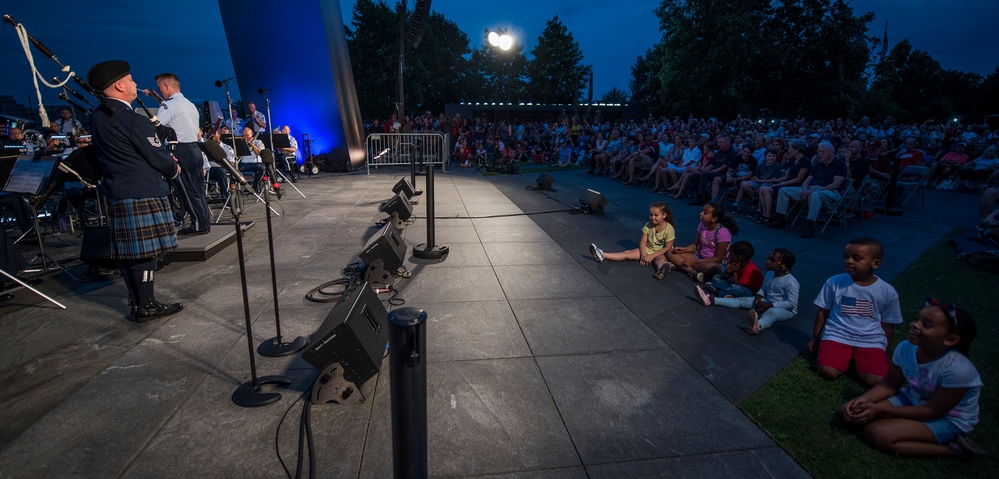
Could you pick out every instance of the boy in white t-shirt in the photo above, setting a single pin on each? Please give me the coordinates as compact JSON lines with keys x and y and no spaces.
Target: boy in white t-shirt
{"x":856,"y":317}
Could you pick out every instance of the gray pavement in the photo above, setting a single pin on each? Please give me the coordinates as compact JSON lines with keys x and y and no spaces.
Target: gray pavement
{"x":542,"y":362}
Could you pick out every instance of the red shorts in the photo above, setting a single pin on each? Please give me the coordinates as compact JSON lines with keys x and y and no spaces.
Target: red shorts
{"x":867,"y":360}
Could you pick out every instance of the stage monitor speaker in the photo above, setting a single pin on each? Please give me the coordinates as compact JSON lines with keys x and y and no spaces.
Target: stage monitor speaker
{"x":354,"y":335}
{"x":386,"y":246}
{"x":593,"y":202}
{"x":403,"y":186}
{"x":400,"y":206}
{"x":545,"y":181}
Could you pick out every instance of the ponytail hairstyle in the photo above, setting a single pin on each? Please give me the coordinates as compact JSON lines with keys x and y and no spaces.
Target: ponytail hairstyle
{"x":960,"y":323}
{"x":785,"y":258}
{"x":667,"y":213}
{"x":723,"y":220}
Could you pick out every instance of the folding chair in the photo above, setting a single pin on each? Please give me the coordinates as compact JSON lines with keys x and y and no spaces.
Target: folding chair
{"x":912,"y":180}
{"x":834,"y":210}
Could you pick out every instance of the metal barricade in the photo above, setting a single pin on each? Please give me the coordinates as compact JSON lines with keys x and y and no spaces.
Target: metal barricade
{"x":398,"y":149}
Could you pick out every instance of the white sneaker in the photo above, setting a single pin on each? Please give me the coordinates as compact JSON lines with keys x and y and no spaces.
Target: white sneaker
{"x":597,"y":253}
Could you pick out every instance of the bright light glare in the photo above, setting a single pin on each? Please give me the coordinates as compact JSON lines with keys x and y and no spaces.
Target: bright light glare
{"x":494,"y":39}
{"x":505,"y":42}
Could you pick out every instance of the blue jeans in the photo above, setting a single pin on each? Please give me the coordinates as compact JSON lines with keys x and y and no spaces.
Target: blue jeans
{"x":725,"y":288}
{"x":767,"y":319}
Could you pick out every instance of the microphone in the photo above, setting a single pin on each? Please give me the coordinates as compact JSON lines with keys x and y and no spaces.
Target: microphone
{"x":219,"y":83}
{"x":262,"y":90}
{"x":217,"y":154}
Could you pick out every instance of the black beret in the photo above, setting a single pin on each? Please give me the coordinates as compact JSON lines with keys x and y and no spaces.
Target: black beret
{"x":104,"y":74}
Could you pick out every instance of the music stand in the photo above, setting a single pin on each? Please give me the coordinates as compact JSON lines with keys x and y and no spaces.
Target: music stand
{"x":241,"y":149}
{"x":29,"y":177}
{"x":281,"y":141}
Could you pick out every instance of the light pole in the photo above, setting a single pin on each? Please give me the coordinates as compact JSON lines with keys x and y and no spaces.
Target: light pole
{"x":504,"y":42}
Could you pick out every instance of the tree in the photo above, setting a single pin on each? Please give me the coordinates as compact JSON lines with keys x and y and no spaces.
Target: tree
{"x":435,"y":73}
{"x":914,"y":82}
{"x":644,"y":77}
{"x":614,"y":95}
{"x":498,"y":75}
{"x":739,"y":56}
{"x":556,"y":72}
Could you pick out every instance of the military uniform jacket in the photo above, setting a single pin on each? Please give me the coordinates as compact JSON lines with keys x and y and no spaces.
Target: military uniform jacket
{"x":134,"y":161}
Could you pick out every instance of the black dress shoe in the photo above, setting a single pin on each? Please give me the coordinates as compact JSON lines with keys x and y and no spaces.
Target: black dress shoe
{"x":191,"y":232}
{"x":154,"y":310}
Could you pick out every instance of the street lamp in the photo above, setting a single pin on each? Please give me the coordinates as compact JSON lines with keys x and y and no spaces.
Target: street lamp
{"x":504,"y":42}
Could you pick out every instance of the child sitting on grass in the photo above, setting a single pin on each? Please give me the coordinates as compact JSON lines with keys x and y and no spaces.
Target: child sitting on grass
{"x":739,"y":276}
{"x":777,"y":299}
{"x":928,"y":403}
{"x":856,"y":317}
{"x":657,"y":239}
{"x":702,"y":260}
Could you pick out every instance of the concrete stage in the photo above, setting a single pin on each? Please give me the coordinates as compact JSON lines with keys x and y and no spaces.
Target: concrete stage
{"x":542,"y":362}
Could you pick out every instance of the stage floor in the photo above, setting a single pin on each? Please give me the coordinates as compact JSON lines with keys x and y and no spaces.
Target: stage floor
{"x":542,"y":363}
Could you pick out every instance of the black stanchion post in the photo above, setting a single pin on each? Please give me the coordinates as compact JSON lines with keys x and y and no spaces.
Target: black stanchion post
{"x":408,"y":363}
{"x":429,"y":250}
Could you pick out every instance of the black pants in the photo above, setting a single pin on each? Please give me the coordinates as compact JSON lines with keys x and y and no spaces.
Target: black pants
{"x":192,"y":178}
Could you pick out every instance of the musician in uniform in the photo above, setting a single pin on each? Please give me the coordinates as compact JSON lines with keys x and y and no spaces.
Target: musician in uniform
{"x":255,"y":119}
{"x":136,"y":168}
{"x":234,"y":122}
{"x":67,"y":125}
{"x":252,"y":162}
{"x":180,"y":114}
{"x":289,"y":160}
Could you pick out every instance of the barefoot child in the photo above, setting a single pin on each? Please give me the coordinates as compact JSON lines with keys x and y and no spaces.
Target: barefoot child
{"x":856,"y":317}
{"x":657,"y":239}
{"x":928,"y":403}
{"x":702,"y":259}
{"x":777,"y":299}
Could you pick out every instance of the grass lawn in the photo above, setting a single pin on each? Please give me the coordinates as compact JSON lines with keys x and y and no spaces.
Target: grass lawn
{"x":796,"y":407}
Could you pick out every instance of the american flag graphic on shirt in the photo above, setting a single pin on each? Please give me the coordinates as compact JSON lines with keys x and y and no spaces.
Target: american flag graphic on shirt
{"x":857,"y":307}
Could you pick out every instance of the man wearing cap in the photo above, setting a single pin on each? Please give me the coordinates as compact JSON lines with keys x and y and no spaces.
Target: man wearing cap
{"x":180,"y":114}
{"x":136,"y":167}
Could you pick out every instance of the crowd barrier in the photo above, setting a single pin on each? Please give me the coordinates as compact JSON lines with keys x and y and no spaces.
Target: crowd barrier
{"x":399,"y":149}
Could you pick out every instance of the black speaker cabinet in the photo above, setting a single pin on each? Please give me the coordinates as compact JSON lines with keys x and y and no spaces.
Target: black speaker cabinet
{"x":354,"y":334}
{"x":403,"y":187}
{"x":545,"y":181}
{"x":593,"y":201}
{"x":400,"y":206}
{"x":386,"y":245}
{"x":95,"y":249}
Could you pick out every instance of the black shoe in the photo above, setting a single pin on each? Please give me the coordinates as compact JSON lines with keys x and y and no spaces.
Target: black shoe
{"x":154,"y":310}
{"x":777,"y":223}
{"x":808,"y":233}
{"x":191,"y":232}
{"x":699,"y":201}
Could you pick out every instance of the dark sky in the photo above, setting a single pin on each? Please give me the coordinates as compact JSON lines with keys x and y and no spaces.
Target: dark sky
{"x":186,"y":37}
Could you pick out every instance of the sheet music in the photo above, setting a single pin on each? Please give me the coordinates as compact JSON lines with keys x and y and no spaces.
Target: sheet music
{"x":29,"y":176}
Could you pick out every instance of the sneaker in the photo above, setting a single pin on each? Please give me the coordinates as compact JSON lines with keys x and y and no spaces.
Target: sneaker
{"x":597,"y":253}
{"x":697,"y":276}
{"x":753,"y":323}
{"x":704,"y":297}
{"x":735,"y":206}
{"x":661,"y":273}
{"x":965,"y":448}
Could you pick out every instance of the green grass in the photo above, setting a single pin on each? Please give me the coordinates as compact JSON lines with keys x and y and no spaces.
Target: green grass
{"x":796,"y":407}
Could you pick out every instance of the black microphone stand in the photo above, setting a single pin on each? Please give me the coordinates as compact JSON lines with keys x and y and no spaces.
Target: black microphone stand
{"x":275,"y":347}
{"x":249,"y":394}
